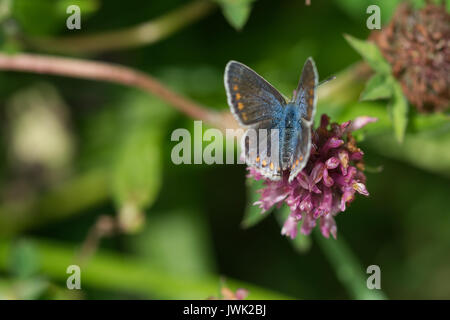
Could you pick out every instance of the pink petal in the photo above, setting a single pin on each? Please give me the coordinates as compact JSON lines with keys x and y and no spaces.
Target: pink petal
{"x":317,"y":172}
{"x":327,"y":180}
{"x":241,"y":294}
{"x":334,"y":142}
{"x":328,"y":226}
{"x":332,"y":163}
{"x":360,"y":122}
{"x":308,"y":224}
{"x":360,"y":188}
{"x":290,"y":227}
{"x":303,"y":180}
{"x":344,"y":159}
{"x":356,"y":155}
{"x":306,"y":205}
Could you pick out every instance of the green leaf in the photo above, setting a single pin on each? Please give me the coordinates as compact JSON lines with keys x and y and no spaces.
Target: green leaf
{"x":428,"y":148}
{"x":398,"y":108}
{"x":348,"y":269}
{"x":24,"y":260}
{"x":371,"y":54}
{"x":236,"y":12}
{"x":356,"y":9}
{"x":378,"y":87}
{"x":188,"y":249}
{"x":418,"y":4}
{"x":253,"y":214}
{"x":31,"y":289}
{"x":137,"y":171}
{"x":137,"y":166}
{"x":48,"y":16}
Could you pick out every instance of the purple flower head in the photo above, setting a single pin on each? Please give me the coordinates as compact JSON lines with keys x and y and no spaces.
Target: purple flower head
{"x":327,"y":184}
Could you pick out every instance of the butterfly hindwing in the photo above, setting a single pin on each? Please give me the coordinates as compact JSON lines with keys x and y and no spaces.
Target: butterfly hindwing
{"x":261,"y":150}
{"x":305,"y":97}
{"x":251,"y":98}
{"x":306,"y":94}
{"x":302,"y":151}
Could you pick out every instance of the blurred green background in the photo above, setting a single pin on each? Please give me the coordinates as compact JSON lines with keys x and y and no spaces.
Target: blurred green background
{"x":72,"y":151}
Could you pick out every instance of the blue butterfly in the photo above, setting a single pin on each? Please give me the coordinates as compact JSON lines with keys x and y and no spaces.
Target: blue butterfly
{"x":282,"y":128}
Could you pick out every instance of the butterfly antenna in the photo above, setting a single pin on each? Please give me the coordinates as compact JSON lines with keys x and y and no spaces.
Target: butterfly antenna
{"x":326,"y":80}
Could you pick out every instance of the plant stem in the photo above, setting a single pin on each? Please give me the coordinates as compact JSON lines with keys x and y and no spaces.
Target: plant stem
{"x":115,"y":272}
{"x":347,"y":267}
{"x":142,"y":34}
{"x":102,"y":71}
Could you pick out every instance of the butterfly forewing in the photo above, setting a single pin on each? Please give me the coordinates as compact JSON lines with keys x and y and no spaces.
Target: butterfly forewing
{"x":258,"y":106}
{"x":251,"y":98}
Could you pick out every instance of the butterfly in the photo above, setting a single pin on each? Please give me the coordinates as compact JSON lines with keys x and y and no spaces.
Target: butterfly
{"x":278,"y":136}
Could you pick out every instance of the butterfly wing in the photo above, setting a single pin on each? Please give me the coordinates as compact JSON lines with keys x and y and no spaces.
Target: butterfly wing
{"x":258,"y":106}
{"x":261,"y":149}
{"x":251,"y":98}
{"x":305,"y":98}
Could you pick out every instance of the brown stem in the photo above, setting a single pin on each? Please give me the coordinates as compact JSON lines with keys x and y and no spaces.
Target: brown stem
{"x":78,"y":68}
{"x":104,"y":226}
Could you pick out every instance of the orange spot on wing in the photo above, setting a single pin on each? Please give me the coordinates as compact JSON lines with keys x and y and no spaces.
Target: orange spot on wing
{"x":296,"y":162}
{"x":257,"y":159}
{"x":235,"y":87}
{"x":301,"y":158}
{"x":271,"y":166}
{"x":264,"y":163}
{"x":240,"y":106}
{"x":238,"y":96}
{"x":244,"y":116}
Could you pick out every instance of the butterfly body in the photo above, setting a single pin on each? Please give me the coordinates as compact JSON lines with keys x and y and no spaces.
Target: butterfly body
{"x":288,"y":126}
{"x":279,"y":135}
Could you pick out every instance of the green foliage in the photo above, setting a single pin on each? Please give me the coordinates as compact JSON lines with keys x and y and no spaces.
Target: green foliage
{"x":398,"y":108}
{"x":383,"y":85}
{"x":48,"y":16}
{"x":253,"y":214}
{"x":137,"y":171}
{"x":371,"y":54}
{"x":357,"y":8}
{"x":186,"y":251}
{"x":347,"y":267}
{"x":193,"y":213}
{"x":24,"y":260}
{"x":236,"y":12}
{"x":419,"y":4}
{"x":377,"y":88}
{"x":109,"y":271}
